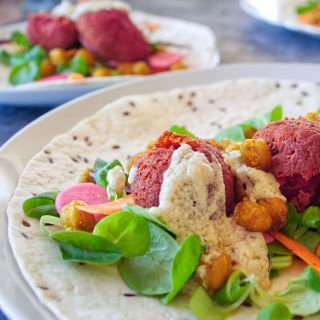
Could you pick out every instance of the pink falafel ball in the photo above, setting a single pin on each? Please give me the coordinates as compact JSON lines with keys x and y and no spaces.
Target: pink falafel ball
{"x":51,"y":31}
{"x":111,"y":35}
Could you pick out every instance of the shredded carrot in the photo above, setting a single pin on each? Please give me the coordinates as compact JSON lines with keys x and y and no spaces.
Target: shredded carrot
{"x":151,"y":26}
{"x":298,"y":249}
{"x":109,"y":207}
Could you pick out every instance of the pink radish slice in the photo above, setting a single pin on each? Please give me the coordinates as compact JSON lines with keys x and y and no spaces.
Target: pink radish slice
{"x":268,"y":237}
{"x":164,"y":60}
{"x":61,"y":76}
{"x":89,"y":193}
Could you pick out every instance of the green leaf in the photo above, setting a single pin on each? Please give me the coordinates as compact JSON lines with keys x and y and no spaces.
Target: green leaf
{"x":184,"y":265}
{"x":276,"y":248}
{"x":36,"y":53}
{"x":25,"y":73}
{"x":310,"y":217}
{"x":21,"y":39}
{"x":4,"y":57}
{"x":150,"y":274}
{"x":145,"y":213}
{"x":86,"y":247}
{"x":274,"y":311}
{"x":40,"y":205}
{"x":128,"y":231}
{"x":310,"y":240}
{"x":280,"y":262}
{"x":100,"y":176}
{"x":292,"y":221}
{"x":79,"y":64}
{"x":312,"y":5}
{"x":49,"y":220}
{"x":233,"y":289}
{"x":313,"y":278}
{"x":203,"y":307}
{"x":236,"y":133}
{"x":181,"y":130}
{"x":99,"y":164}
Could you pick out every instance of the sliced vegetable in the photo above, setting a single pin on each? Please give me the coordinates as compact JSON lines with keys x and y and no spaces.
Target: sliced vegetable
{"x":128,"y":231}
{"x":150,"y":274}
{"x":86,"y":247}
{"x":163,"y":60}
{"x":236,"y":133}
{"x":280,"y":257}
{"x":40,"y":205}
{"x":89,"y":193}
{"x":184,"y":265}
{"x":274,"y":311}
{"x":298,"y":249}
{"x":109,"y":207}
{"x":181,"y":130}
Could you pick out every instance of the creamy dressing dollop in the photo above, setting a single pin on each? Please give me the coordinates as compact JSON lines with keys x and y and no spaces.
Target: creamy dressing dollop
{"x":192,"y":201}
{"x":116,"y":179}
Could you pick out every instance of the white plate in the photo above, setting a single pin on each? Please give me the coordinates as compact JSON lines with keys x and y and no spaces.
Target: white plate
{"x":280,"y":13}
{"x":201,"y":53}
{"x":16,"y":298}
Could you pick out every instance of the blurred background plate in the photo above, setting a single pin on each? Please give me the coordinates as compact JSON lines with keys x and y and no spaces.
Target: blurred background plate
{"x":202,"y":53}
{"x":16,"y":298}
{"x":280,"y":13}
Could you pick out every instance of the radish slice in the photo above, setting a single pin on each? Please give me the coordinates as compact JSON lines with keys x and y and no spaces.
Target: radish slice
{"x":164,"y":60}
{"x":89,"y":193}
{"x":61,"y":76}
{"x":268,"y":237}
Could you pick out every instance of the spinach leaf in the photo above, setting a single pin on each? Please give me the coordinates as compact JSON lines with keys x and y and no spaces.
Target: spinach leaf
{"x":100,"y":176}
{"x":312,"y":277}
{"x":128,"y":231}
{"x":40,"y":205}
{"x":236,"y":133}
{"x":99,"y":164}
{"x":274,"y":311}
{"x":79,"y":64}
{"x":310,"y":240}
{"x":150,"y":274}
{"x":21,"y":39}
{"x":184,"y":265}
{"x":36,"y":53}
{"x":24,"y":73}
{"x":181,"y":130}
{"x":235,"y":287}
{"x":308,"y":7}
{"x":310,"y":217}
{"x":292,"y":221}
{"x":86,"y":247}
{"x":145,"y":213}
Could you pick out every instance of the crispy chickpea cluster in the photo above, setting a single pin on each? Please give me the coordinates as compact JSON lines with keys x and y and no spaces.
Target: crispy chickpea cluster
{"x":85,"y":176}
{"x":255,"y":153}
{"x":262,"y":216}
{"x":73,"y":219}
{"x":216,"y":273}
{"x":312,"y":116}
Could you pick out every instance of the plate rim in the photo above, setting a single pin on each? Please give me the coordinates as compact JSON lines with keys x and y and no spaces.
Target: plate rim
{"x":10,"y":308}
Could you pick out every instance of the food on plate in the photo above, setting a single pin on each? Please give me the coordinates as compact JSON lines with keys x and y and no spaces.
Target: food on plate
{"x":197,"y":227}
{"x":309,"y":13}
{"x":101,"y":39}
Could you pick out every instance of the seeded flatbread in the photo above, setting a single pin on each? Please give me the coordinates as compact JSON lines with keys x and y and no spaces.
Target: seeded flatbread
{"x":119,"y":130}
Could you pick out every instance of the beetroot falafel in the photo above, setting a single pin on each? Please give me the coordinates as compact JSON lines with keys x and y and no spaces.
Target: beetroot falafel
{"x":51,"y":31}
{"x":295,"y":148}
{"x":151,"y":166}
{"x":110,"y":35}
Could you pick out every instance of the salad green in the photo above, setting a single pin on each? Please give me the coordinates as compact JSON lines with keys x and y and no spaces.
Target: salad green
{"x":311,"y":5}
{"x":274,"y":311}
{"x":181,"y":130}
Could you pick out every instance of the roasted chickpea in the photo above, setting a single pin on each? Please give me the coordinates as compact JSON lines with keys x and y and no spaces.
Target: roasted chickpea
{"x":102,"y":72}
{"x":73,"y":219}
{"x":87,"y":55}
{"x":249,"y":132}
{"x":178,"y":66}
{"x":216,"y":273}
{"x":125,"y":68}
{"x":252,"y":216}
{"x":255,"y":153}
{"x":312,"y":116}
{"x":278,"y":210}
{"x":58,"y":56}
{"x":47,"y":68}
{"x":141,"y":68}
{"x":85,"y":176}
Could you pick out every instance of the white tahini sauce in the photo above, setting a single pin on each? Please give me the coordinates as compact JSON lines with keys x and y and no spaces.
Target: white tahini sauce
{"x":116,"y":179}
{"x":192,"y":201}
{"x":259,"y":184}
